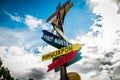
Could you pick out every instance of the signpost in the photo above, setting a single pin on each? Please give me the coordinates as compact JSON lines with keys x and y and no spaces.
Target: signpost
{"x":67,"y":53}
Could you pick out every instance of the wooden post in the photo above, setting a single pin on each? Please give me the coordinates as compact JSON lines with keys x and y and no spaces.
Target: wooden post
{"x":63,"y":70}
{"x":63,"y":73}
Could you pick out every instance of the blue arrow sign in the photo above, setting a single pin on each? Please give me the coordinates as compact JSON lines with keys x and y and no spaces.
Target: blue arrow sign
{"x":54,"y":40}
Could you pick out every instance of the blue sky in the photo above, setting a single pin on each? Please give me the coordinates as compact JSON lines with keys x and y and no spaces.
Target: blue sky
{"x":78,"y":18}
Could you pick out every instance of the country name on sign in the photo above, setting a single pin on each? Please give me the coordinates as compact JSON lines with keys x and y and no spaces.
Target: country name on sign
{"x":62,"y":51}
{"x":49,"y":38}
{"x":62,"y":42}
{"x":57,"y":53}
{"x":64,"y":59}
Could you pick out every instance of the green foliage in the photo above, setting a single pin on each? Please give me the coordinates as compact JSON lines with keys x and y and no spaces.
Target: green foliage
{"x":31,"y":79}
{"x":4,"y":73}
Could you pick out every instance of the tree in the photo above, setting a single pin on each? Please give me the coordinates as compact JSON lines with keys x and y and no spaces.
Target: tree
{"x":31,"y":79}
{"x":4,"y":73}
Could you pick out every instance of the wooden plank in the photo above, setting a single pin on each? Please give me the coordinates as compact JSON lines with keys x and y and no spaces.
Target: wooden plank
{"x":61,"y":51}
{"x":62,"y":34}
{"x":55,"y":13}
{"x":64,"y":59}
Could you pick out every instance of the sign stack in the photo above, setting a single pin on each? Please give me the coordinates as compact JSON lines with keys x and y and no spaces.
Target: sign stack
{"x":67,"y":53}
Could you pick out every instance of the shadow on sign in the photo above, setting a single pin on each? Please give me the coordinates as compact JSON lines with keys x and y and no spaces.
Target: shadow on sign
{"x":77,"y":58}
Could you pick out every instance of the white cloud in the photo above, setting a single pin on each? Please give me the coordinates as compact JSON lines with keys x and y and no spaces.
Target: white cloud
{"x":18,"y":52}
{"x":21,"y":62}
{"x":101,"y":51}
{"x":14,"y":18}
{"x":24,"y":38}
{"x":24,"y":65}
{"x":33,"y":22}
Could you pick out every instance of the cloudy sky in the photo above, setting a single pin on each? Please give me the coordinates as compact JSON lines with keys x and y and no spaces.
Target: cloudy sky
{"x":94,"y":23}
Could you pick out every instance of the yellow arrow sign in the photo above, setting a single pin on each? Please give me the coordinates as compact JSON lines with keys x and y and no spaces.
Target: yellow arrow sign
{"x":62,"y":51}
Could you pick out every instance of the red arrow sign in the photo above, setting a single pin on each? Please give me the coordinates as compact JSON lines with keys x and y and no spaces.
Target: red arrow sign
{"x":64,"y":59}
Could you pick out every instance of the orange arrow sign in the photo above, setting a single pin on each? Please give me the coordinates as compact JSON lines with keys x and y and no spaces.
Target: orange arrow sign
{"x":64,"y":59}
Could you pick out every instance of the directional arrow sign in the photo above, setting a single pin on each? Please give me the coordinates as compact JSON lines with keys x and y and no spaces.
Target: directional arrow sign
{"x":54,"y":40}
{"x":76,"y":59}
{"x":62,"y":51}
{"x":64,"y":59}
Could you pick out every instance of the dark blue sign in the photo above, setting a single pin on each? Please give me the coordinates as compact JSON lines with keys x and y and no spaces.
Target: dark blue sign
{"x":54,"y":40}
